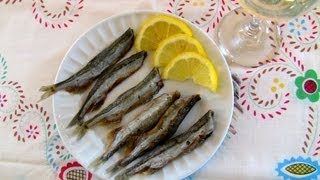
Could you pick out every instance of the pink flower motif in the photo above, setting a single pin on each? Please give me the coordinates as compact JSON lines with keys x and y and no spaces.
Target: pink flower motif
{"x":33,"y":132}
{"x":3,"y":100}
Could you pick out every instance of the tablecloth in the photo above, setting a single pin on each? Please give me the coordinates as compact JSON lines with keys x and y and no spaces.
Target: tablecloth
{"x":276,"y":137}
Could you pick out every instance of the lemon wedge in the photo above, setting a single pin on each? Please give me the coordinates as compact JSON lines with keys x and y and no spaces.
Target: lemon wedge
{"x":169,"y":48}
{"x":158,"y":28}
{"x":193,"y":66}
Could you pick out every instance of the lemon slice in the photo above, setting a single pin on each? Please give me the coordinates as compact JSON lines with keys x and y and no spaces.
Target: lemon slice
{"x":169,"y":48}
{"x":158,"y":28}
{"x":193,"y":66}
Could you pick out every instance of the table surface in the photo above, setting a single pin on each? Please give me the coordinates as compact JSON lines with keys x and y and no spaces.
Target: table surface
{"x":276,"y":137}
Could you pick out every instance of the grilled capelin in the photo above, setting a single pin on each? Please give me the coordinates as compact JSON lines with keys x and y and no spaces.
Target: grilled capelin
{"x":138,"y":95}
{"x":106,"y":82}
{"x":145,"y":121}
{"x":166,"y":127}
{"x":165,"y":153}
{"x":85,"y":76}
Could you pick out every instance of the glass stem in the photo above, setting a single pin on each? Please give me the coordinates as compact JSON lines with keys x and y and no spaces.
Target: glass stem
{"x":254,"y":26}
{"x":251,"y":33}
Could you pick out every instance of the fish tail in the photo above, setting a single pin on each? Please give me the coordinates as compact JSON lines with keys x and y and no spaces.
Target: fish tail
{"x":122,"y":177}
{"x":115,"y":167}
{"x":48,"y":91}
{"x":96,"y":163}
{"x":75,"y":120}
{"x":81,"y":130}
{"x":101,"y":159}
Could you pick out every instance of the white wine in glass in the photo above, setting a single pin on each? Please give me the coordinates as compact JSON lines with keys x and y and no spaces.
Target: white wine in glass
{"x":244,"y":39}
{"x":277,"y":10}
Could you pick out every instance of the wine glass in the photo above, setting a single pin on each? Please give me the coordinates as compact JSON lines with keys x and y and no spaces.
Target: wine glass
{"x":247,"y":39}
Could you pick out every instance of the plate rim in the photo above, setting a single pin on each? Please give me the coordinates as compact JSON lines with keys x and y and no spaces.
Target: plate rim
{"x":148,"y":12}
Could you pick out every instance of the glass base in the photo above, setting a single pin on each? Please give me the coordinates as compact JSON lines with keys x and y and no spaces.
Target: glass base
{"x":245,"y":40}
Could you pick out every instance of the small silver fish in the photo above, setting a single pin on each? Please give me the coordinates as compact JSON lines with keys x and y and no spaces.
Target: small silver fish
{"x":173,"y":148}
{"x":132,"y":98}
{"x":145,"y":121}
{"x":166,"y":127}
{"x":85,"y":76}
{"x":108,"y":79}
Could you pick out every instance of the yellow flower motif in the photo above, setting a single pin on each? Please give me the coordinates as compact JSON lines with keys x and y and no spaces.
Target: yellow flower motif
{"x":277,"y":85}
{"x":198,"y":3}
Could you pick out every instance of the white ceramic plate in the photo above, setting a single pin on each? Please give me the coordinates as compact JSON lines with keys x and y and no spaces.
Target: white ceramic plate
{"x":66,"y":105}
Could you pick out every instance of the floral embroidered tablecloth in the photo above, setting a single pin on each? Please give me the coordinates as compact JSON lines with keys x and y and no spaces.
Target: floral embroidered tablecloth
{"x":276,"y":137}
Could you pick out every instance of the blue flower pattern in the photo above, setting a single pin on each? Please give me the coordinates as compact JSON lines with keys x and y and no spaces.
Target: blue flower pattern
{"x":297,"y":26}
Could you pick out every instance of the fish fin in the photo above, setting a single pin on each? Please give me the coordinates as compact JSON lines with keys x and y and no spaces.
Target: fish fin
{"x":48,"y":91}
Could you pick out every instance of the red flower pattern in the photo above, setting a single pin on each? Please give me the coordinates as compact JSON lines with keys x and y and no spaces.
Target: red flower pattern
{"x":33,"y":132}
{"x":3,"y":100}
